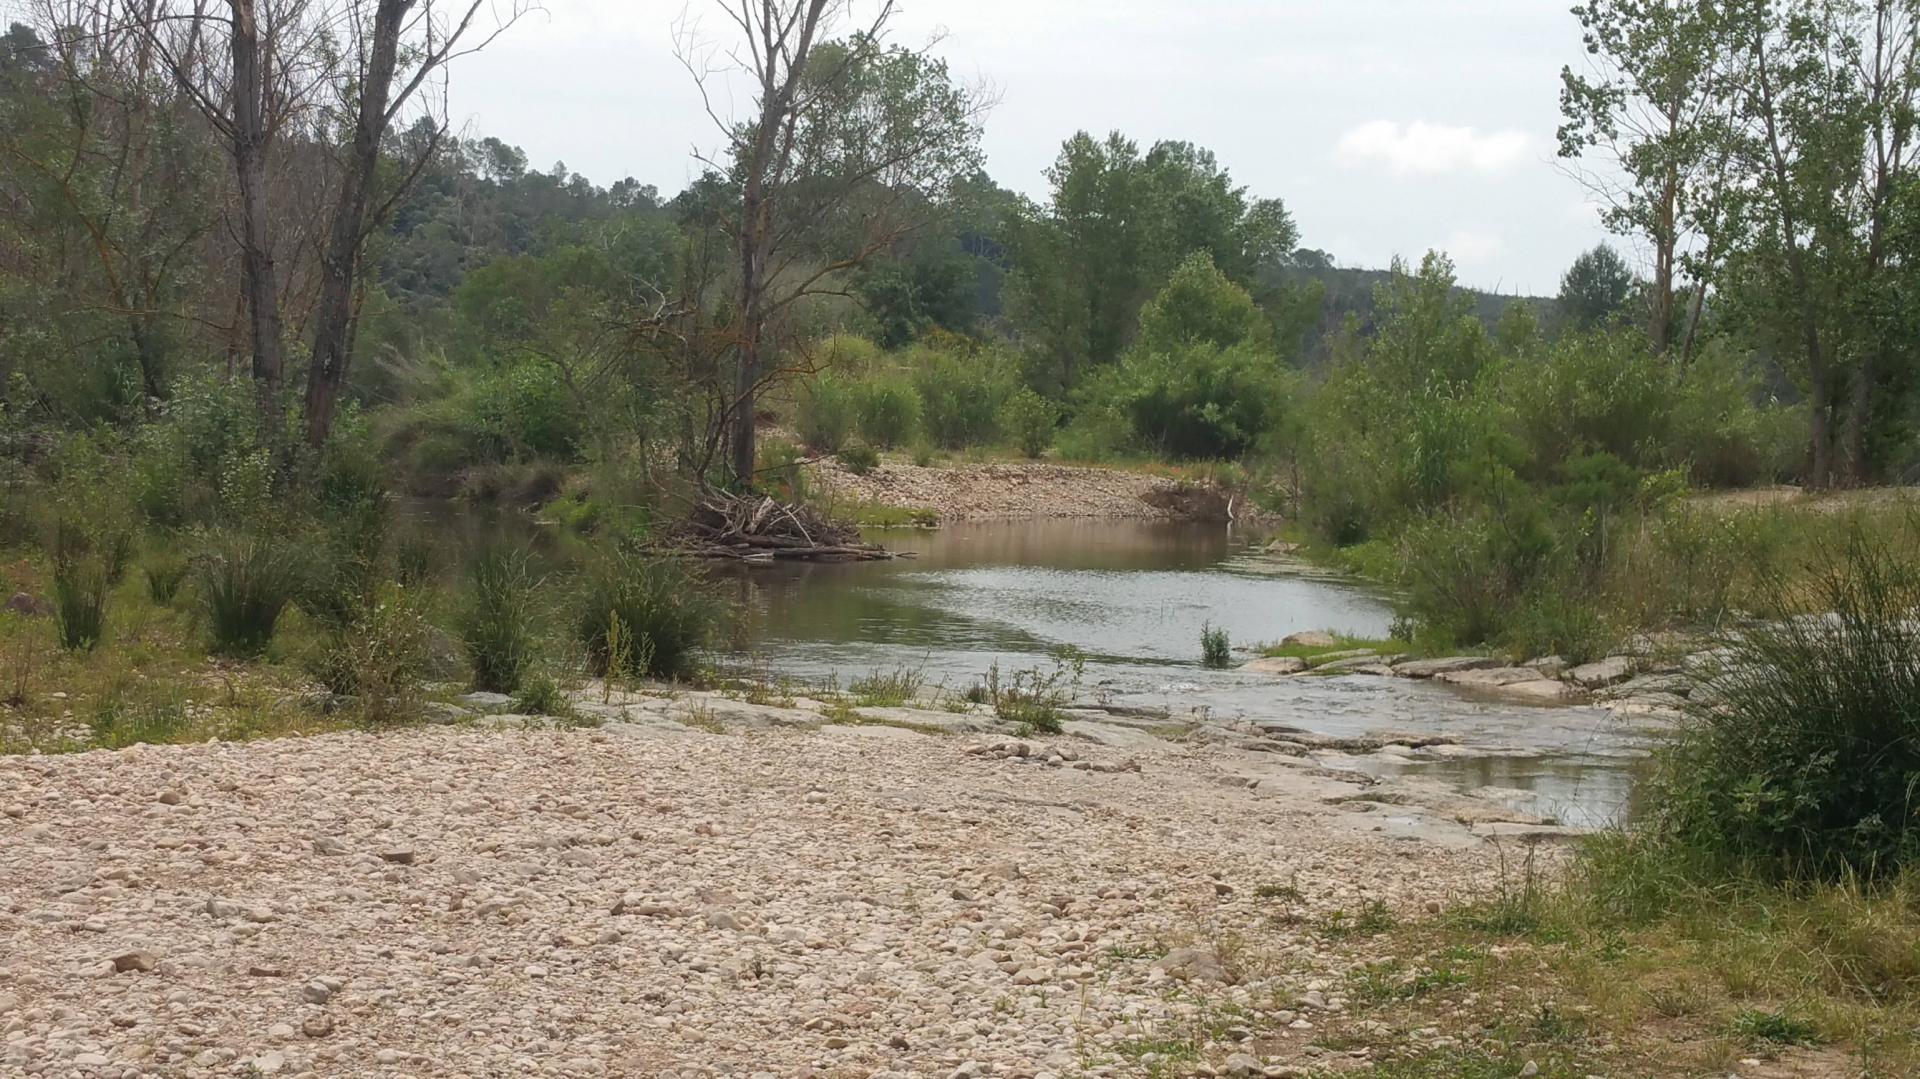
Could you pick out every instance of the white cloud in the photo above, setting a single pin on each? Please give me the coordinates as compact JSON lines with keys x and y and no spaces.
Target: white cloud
{"x":1424,"y":149}
{"x":1467,"y":246}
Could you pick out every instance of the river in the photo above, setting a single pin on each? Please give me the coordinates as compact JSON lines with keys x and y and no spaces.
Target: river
{"x":1132,"y":597}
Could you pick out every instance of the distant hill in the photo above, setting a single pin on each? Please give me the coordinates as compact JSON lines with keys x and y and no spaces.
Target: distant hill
{"x":1346,"y":290}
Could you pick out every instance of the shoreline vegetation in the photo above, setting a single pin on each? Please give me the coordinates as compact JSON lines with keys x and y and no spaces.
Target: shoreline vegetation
{"x":256,"y":294}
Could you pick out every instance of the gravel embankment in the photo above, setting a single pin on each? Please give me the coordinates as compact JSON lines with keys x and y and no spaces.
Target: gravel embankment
{"x":642,"y":902}
{"x":1006,"y":490}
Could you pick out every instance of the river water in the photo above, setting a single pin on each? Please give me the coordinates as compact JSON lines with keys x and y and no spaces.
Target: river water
{"x":1132,"y":597}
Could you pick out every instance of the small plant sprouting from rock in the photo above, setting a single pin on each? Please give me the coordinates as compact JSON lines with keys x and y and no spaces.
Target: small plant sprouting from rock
{"x":1216,"y":650}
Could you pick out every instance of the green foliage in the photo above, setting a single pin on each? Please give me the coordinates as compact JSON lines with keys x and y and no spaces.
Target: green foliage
{"x":243,"y":583}
{"x":962,"y":394}
{"x":1802,"y":757}
{"x":1595,"y":290}
{"x":1030,"y":420}
{"x":1216,"y":650}
{"x":541,"y":695}
{"x":886,"y":410}
{"x":80,"y":588}
{"x":646,"y":616}
{"x":122,"y":719}
{"x":165,"y":574}
{"x":381,"y":657}
{"x":523,"y":410}
{"x":860,"y":458}
{"x":887,"y":689}
{"x":1032,"y":698}
{"x":499,"y":618}
{"x":827,"y":415}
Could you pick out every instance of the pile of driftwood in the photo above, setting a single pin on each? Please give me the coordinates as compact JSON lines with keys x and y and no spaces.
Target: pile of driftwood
{"x":755,"y":528}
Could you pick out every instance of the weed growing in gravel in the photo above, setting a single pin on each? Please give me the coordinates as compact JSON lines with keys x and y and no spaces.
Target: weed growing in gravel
{"x":887,"y":689}
{"x":1774,"y":1028}
{"x":541,"y":695}
{"x":118,"y":721}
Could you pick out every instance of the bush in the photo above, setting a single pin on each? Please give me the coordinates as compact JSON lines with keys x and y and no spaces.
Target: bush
{"x":164,"y":577}
{"x":860,"y":459}
{"x":1467,"y":572}
{"x":80,"y":603}
{"x":382,"y":656}
{"x":961,"y":397}
{"x":524,"y":410}
{"x":1029,"y":419}
{"x":887,"y":411}
{"x":645,"y":616}
{"x":1216,"y":651}
{"x":540,"y":695}
{"x":1802,"y":756}
{"x":244,"y":582}
{"x":498,"y":619}
{"x":827,"y":415}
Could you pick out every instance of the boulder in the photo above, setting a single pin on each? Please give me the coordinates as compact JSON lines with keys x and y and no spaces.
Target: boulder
{"x":1313,"y":638}
{"x":28,"y":604}
{"x":1610,"y":671}
{"x":1549,"y":666}
{"x":1541,"y":690}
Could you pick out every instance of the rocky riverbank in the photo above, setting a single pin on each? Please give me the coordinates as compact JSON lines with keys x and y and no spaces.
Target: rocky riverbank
{"x":1649,"y":683}
{"x":1016,"y":490}
{"x":701,"y":885}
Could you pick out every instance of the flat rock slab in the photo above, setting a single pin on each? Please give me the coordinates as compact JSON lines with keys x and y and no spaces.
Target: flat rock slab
{"x":1280,"y":665}
{"x":1431,"y":668}
{"x":1488,"y":677}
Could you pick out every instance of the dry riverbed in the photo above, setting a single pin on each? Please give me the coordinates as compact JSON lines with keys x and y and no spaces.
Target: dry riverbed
{"x":1018,"y":490}
{"x":704,"y":886}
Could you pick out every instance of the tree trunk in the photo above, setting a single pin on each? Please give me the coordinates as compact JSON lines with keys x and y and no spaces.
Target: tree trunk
{"x":743,"y":451}
{"x":259,"y":278}
{"x":340,"y":263}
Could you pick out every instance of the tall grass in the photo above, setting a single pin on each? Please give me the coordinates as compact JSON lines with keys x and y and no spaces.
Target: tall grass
{"x":647,"y":616}
{"x":498,"y":619}
{"x":1802,"y":760}
{"x":80,"y":603}
{"x":164,"y":578}
{"x":244,"y":583}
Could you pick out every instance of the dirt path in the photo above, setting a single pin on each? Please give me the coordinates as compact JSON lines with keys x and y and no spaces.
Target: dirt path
{"x":1005,"y":490}
{"x":651,"y":899}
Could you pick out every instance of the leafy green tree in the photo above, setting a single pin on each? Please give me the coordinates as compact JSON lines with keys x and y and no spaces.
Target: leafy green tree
{"x":1116,"y":225}
{"x":1595,"y":290}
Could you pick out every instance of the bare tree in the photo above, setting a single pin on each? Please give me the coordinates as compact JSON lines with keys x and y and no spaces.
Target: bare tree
{"x":848,"y":144}
{"x":399,"y":49}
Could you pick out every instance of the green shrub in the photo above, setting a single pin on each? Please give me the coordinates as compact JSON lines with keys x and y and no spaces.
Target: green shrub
{"x":498,"y":620}
{"x":887,"y":689}
{"x":1802,"y":759}
{"x":961,"y":397}
{"x":541,"y":695}
{"x":860,"y":458}
{"x":1216,"y":650}
{"x":381,"y":657}
{"x":80,"y":603}
{"x":1467,"y":572}
{"x":644,"y":616}
{"x":827,"y":414}
{"x":1029,"y":420}
{"x":887,"y":411}
{"x":524,"y":410}
{"x":244,"y":582}
{"x":164,"y":577}
{"x":1033,"y":699}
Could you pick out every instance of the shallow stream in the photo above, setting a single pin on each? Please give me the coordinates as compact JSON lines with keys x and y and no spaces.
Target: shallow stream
{"x":1133,"y":597}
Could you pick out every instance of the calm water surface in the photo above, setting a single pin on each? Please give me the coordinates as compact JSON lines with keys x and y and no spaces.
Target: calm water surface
{"x":1133,"y":597}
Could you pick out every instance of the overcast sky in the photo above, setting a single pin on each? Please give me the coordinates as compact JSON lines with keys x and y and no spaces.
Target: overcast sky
{"x":1388,"y":126}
